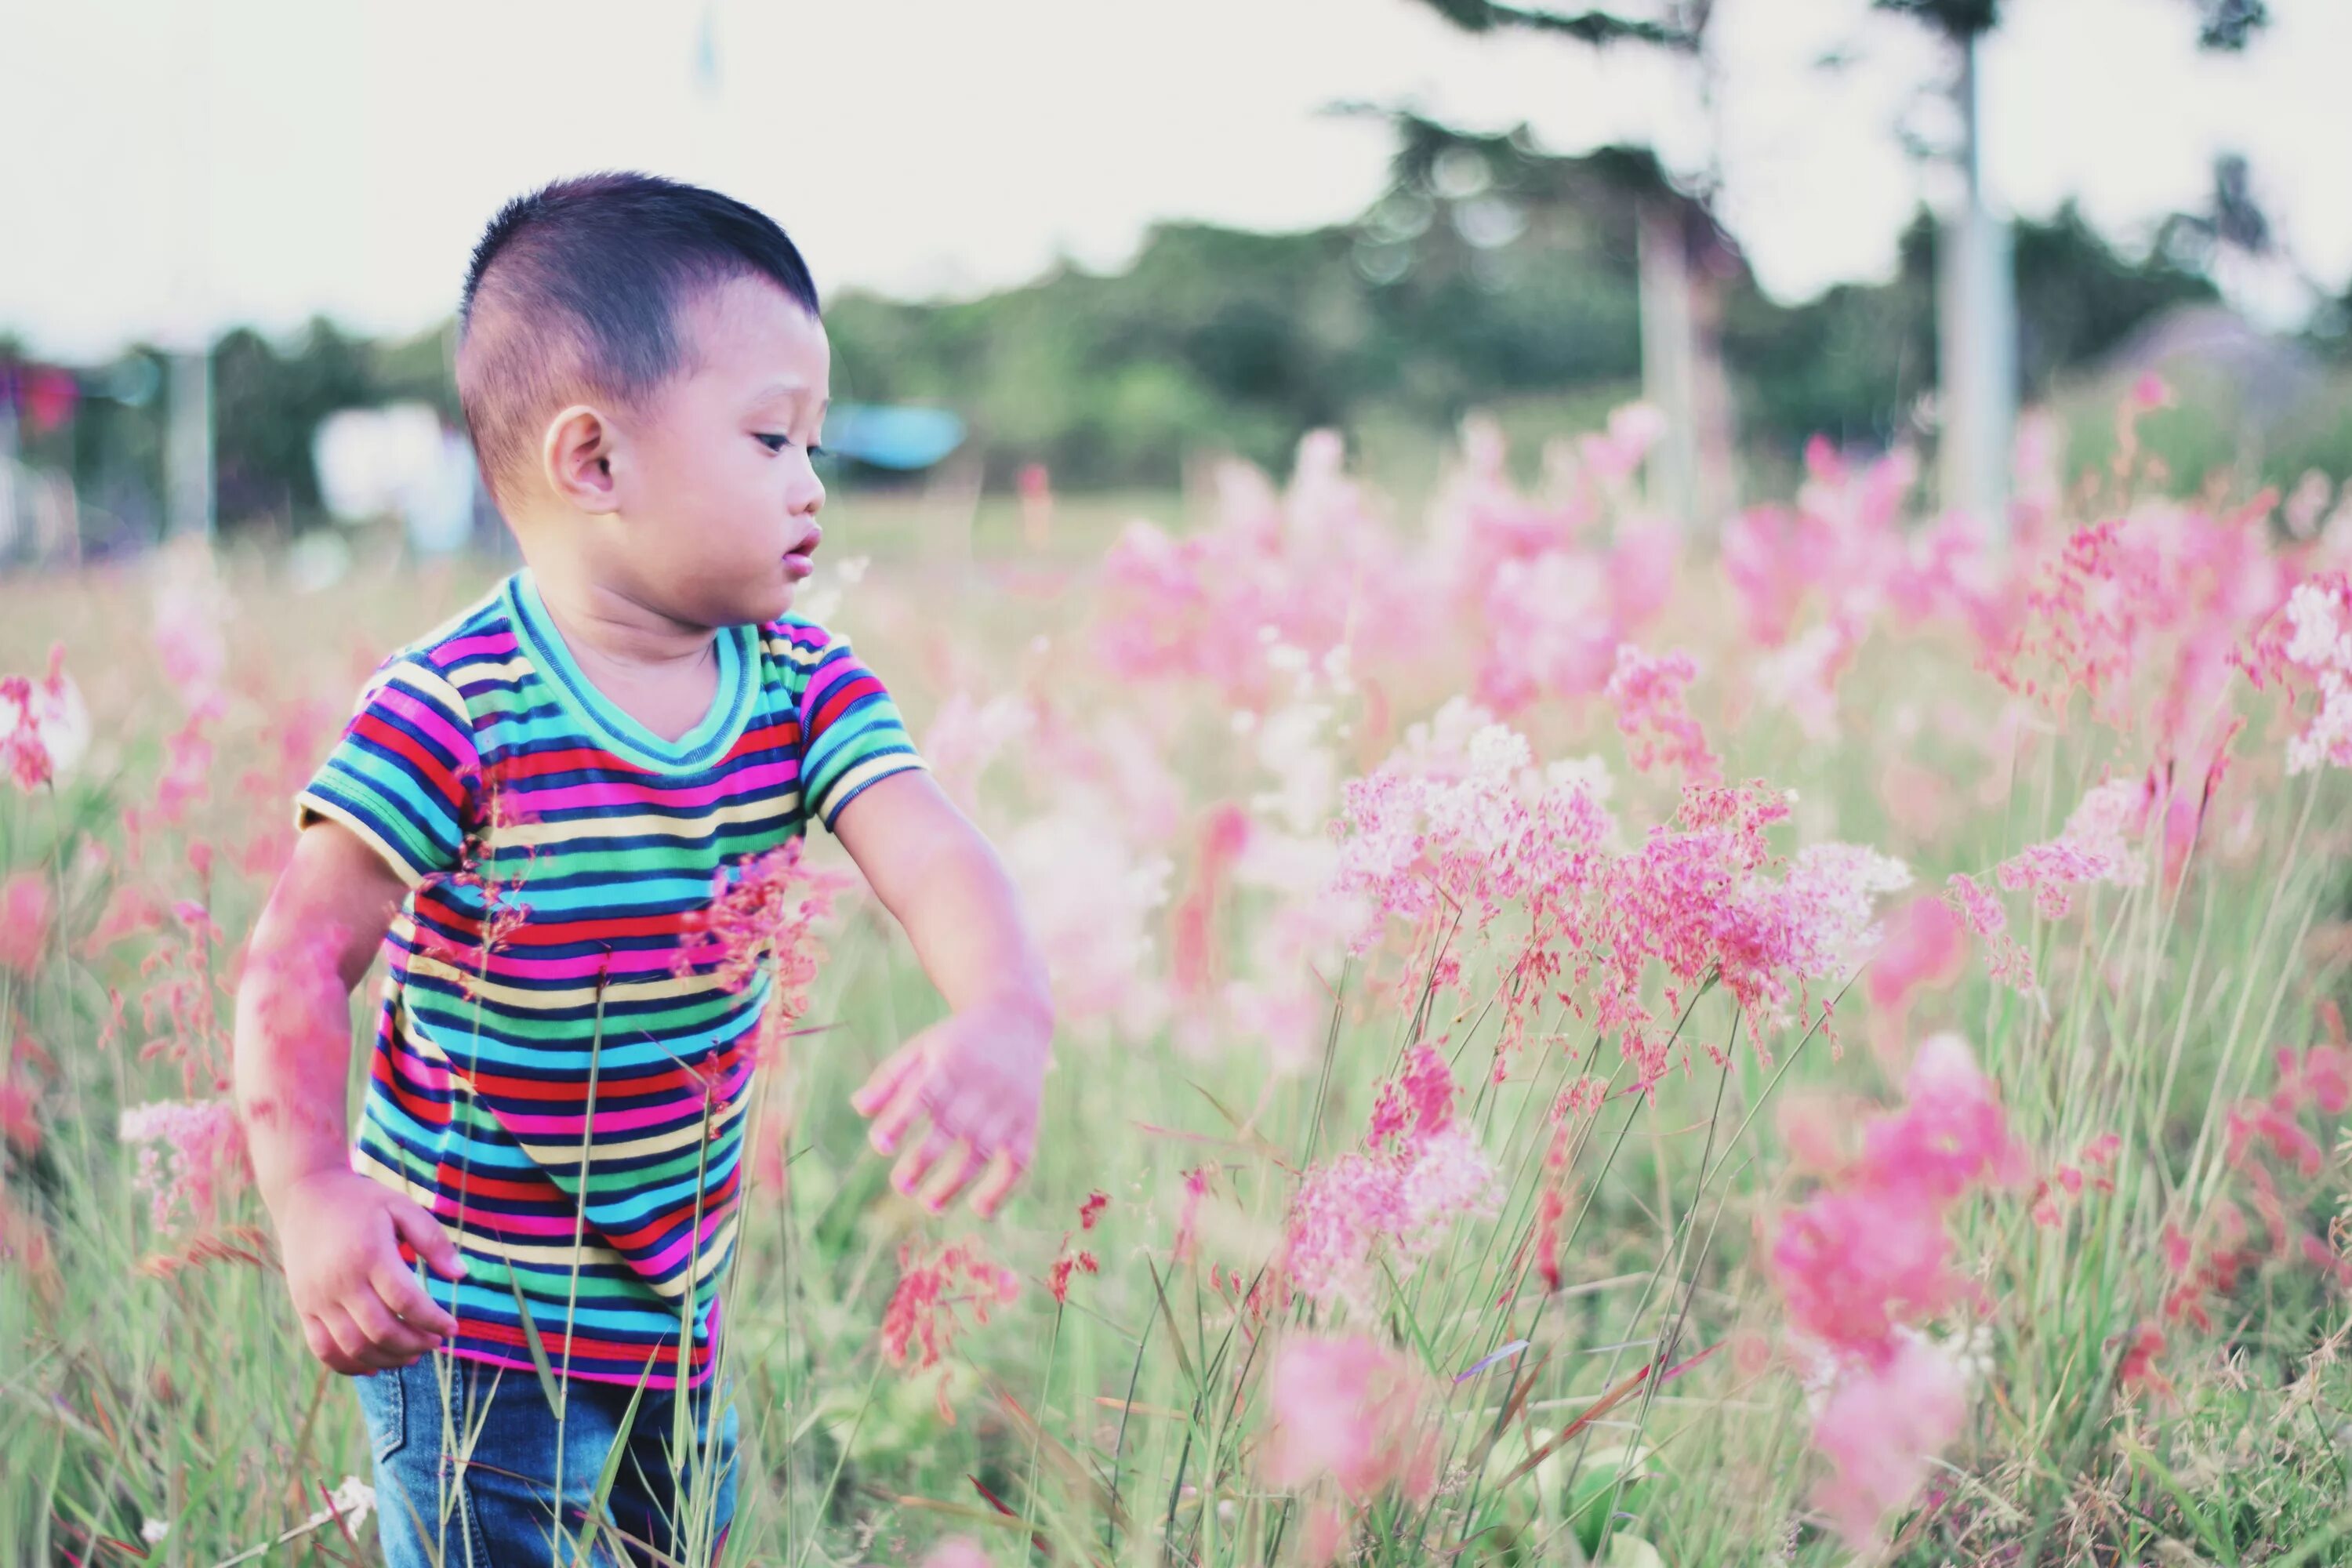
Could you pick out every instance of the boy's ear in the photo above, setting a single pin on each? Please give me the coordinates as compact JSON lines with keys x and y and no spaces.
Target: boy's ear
{"x":577,"y":459}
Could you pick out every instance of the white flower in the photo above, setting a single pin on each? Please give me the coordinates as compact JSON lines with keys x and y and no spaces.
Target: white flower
{"x":151,"y":1530}
{"x":354,"y":1500}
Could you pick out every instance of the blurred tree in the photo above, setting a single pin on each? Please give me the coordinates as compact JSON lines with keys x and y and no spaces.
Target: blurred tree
{"x":1686,"y":260}
{"x":1487,"y":274}
{"x":265,"y":406}
{"x":1977,"y":334}
{"x":1585,"y":27}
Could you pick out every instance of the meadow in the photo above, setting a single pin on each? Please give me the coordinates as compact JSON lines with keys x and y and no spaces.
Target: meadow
{"x":1575,"y":1043}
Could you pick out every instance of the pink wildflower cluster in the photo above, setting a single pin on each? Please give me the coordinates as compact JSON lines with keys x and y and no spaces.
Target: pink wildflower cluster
{"x":1800,"y":678}
{"x":1926,"y":949}
{"x":192,"y":1152}
{"x":1297,"y":569}
{"x":1427,"y":835}
{"x":27,"y":906}
{"x":920,"y":1325}
{"x":2266,"y":1137}
{"x":44,"y":727}
{"x":2164,"y":599}
{"x":2006,"y":959}
{"x":2094,"y":846}
{"x":1700,"y":900}
{"x":2318,"y":650}
{"x":1417,"y":1175}
{"x":2090,"y":1169}
{"x":1867,"y":1259}
{"x":1649,"y":694}
{"x":766,"y":909}
{"x":1549,"y":599}
{"x":1845,"y":553}
{"x":1353,"y":1410}
{"x":1448,"y":851}
{"x":1082,"y":1261}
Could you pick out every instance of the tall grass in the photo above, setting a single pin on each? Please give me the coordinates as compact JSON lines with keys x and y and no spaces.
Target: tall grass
{"x":1651,"y":1407}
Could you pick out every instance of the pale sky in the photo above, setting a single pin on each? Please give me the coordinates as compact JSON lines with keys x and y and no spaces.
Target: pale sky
{"x":173,"y":166}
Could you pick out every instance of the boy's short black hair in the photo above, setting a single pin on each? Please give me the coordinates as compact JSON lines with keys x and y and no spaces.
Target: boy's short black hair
{"x":575,"y":290}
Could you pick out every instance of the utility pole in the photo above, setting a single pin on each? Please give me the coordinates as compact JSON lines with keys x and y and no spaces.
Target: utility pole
{"x":188,"y":448}
{"x":1975,"y":331}
{"x":1669,"y":354}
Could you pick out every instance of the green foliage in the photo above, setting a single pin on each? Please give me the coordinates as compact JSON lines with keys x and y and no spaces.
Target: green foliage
{"x":1489,"y":273}
{"x":1596,"y":27}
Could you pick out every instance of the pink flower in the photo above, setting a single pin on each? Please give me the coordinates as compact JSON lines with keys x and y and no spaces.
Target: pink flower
{"x":1420,"y":1175}
{"x":920,"y":1325}
{"x":1057,"y":1278}
{"x":1951,"y":1134}
{"x":2093,"y":848}
{"x":1188,"y":1216}
{"x":766,"y":910}
{"x":1880,"y":1425}
{"x":44,"y":726}
{"x":1925,"y":949}
{"x":2006,"y":961}
{"x":1349,"y":1408}
{"x":1853,"y":1263}
{"x":193,"y":1149}
{"x":26,"y":911}
{"x":1343,"y":1209}
{"x":1800,"y":678}
{"x":1418,"y":1103}
{"x":2137,"y":1368}
{"x":1648,"y":693}
{"x":1870,"y":1255}
{"x":956,"y":1551}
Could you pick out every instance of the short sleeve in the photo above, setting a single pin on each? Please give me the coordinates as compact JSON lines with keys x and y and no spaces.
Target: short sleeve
{"x":397,"y":776}
{"x":851,"y":734}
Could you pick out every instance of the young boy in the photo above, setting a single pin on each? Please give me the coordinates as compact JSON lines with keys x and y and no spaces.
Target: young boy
{"x":530,"y":804}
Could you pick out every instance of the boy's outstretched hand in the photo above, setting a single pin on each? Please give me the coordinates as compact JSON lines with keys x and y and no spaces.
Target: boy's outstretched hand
{"x":958,"y":1105}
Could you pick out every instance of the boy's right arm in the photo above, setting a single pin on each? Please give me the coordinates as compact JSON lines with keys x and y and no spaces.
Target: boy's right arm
{"x":362,"y":1308}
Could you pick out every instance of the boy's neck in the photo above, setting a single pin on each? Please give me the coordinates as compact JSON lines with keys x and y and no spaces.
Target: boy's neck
{"x":612,"y":629}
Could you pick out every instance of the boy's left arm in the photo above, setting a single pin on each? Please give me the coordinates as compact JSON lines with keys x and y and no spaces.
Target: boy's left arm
{"x":958,"y":1104}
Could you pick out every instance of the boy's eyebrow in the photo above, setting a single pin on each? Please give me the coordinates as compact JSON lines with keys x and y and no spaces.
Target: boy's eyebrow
{"x":777,"y":388}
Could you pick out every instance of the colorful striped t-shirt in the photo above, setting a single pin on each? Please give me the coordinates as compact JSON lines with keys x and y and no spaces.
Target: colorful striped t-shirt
{"x":567,"y":1106}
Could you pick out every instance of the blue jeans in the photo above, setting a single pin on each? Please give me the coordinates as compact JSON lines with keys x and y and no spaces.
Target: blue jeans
{"x":474,"y":1485}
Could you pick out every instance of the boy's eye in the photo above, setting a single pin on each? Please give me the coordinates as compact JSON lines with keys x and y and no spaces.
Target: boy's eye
{"x":778,"y":443}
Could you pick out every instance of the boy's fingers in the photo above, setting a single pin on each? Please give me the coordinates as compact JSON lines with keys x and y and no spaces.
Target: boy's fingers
{"x":350,"y":1344}
{"x":408,"y":1301}
{"x":916,"y":1162}
{"x":957,"y":1166}
{"x":891,"y":1122}
{"x":424,"y":1233}
{"x":998,"y":1178}
{"x":883,"y":1084}
{"x":387,"y":1336}
{"x":322,"y":1345}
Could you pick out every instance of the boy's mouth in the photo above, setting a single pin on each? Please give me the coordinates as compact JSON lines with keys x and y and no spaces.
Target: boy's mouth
{"x":798,"y":559}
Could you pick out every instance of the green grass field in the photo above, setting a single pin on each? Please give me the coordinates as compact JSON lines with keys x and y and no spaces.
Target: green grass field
{"x":151,"y":1374}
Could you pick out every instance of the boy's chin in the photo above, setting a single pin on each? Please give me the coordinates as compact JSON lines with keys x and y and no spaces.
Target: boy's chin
{"x":761,"y":607}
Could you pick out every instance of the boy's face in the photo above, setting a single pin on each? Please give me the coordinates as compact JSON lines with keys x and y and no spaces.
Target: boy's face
{"x":717,"y":502}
